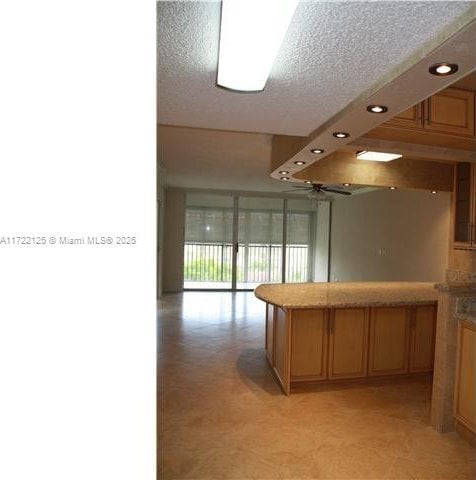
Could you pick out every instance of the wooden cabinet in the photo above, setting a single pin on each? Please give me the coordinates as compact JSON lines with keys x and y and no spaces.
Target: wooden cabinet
{"x":465,"y":388}
{"x":422,"y":338}
{"x":269,"y":342}
{"x":281,"y":348}
{"x":389,"y":332}
{"x":309,"y":344}
{"x":464,"y":206}
{"x":348,"y":342}
{"x":410,"y":118}
{"x":450,"y":112}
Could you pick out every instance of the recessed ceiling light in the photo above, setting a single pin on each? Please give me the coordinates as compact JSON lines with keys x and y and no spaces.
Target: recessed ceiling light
{"x":443,"y":69}
{"x":341,"y":134}
{"x":392,"y":188}
{"x":434,"y":191}
{"x":377,"y":109}
{"x":308,"y":181}
{"x":346,"y":184}
{"x":317,"y":150}
{"x":377,"y":156}
{"x":299,"y":162}
{"x":283,"y":172}
{"x":284,"y":178}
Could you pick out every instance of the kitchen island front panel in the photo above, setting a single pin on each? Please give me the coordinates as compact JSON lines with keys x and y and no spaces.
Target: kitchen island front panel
{"x":330,"y":342}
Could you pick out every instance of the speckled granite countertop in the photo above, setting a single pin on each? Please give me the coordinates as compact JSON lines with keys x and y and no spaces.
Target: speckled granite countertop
{"x":343,"y":294}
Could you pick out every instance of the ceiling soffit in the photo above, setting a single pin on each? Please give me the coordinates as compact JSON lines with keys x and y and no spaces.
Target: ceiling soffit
{"x":412,"y":84}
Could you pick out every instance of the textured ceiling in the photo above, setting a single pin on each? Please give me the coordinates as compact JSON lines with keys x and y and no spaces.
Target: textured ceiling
{"x":332,"y":53}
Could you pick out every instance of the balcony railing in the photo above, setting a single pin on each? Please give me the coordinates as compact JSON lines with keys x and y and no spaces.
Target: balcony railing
{"x":256,"y":263}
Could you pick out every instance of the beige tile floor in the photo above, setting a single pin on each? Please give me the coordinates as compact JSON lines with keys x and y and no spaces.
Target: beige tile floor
{"x":222,"y":415}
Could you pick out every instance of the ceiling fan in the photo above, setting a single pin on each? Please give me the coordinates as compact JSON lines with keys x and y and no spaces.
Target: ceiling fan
{"x":317,"y":191}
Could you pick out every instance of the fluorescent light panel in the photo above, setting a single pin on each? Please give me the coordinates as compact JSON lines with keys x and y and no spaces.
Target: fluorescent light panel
{"x":377,"y":156}
{"x":251,"y":34}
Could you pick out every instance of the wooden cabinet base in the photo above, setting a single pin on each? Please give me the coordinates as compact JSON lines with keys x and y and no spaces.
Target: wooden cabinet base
{"x":466,"y":433}
{"x":323,"y":385}
{"x":333,"y":345}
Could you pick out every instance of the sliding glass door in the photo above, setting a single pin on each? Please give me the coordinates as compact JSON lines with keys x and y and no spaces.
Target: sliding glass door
{"x":208,"y":249}
{"x":238,"y":242}
{"x":260,"y":241}
{"x":300,"y":233}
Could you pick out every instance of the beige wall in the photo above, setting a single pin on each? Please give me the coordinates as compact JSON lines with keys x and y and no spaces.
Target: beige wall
{"x":390,"y":235}
{"x":174,"y":231}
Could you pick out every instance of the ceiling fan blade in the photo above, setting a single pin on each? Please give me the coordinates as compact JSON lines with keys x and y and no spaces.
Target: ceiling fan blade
{"x":295,"y":190}
{"x":335,"y":191}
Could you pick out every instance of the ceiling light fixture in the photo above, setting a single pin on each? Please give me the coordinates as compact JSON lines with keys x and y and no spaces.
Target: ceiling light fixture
{"x":341,"y":134}
{"x":251,"y":33}
{"x":377,"y":109}
{"x":392,"y":188}
{"x":346,"y":184}
{"x":317,"y":150}
{"x":377,"y":156}
{"x":285,"y":178}
{"x":283,"y":172}
{"x":299,"y":162}
{"x":443,"y":69}
{"x":434,"y":191}
{"x":308,"y":182}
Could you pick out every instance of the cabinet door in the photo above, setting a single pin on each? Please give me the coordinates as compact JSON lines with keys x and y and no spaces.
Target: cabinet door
{"x":389,"y":328}
{"x":281,"y":348}
{"x":422,"y":338}
{"x":309,"y":345}
{"x":410,"y":118}
{"x":465,"y":391}
{"x":464,"y":205}
{"x":451,"y":111}
{"x":348,"y":342}
{"x":270,"y":312}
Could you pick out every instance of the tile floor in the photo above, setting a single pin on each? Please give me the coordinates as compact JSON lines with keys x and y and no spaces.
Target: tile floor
{"x":222,"y":415}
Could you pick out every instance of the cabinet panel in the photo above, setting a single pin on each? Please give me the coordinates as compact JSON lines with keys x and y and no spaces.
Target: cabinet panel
{"x":411,"y":118}
{"x":270,"y":309}
{"x":281,"y":353}
{"x":465,"y":391}
{"x":422,"y":339}
{"x":464,"y":207}
{"x":388,"y":340}
{"x":309,"y":344}
{"x":348,"y":343}
{"x":451,"y":111}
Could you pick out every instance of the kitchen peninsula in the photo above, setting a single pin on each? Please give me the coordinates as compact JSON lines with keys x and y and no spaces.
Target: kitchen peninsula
{"x":318,"y":332}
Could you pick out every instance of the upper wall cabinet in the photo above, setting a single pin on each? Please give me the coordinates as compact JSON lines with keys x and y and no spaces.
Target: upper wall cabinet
{"x":450,"y":112}
{"x":464,"y":208}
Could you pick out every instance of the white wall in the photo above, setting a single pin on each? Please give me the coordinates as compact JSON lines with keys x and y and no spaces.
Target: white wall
{"x":174,"y":232}
{"x":390,"y":235}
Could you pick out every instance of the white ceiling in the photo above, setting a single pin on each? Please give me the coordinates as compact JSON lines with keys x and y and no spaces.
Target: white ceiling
{"x":333,"y":52}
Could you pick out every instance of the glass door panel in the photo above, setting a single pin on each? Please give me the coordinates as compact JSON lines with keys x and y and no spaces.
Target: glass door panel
{"x":208,"y":249}
{"x":260,"y":241}
{"x":300,"y":233}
